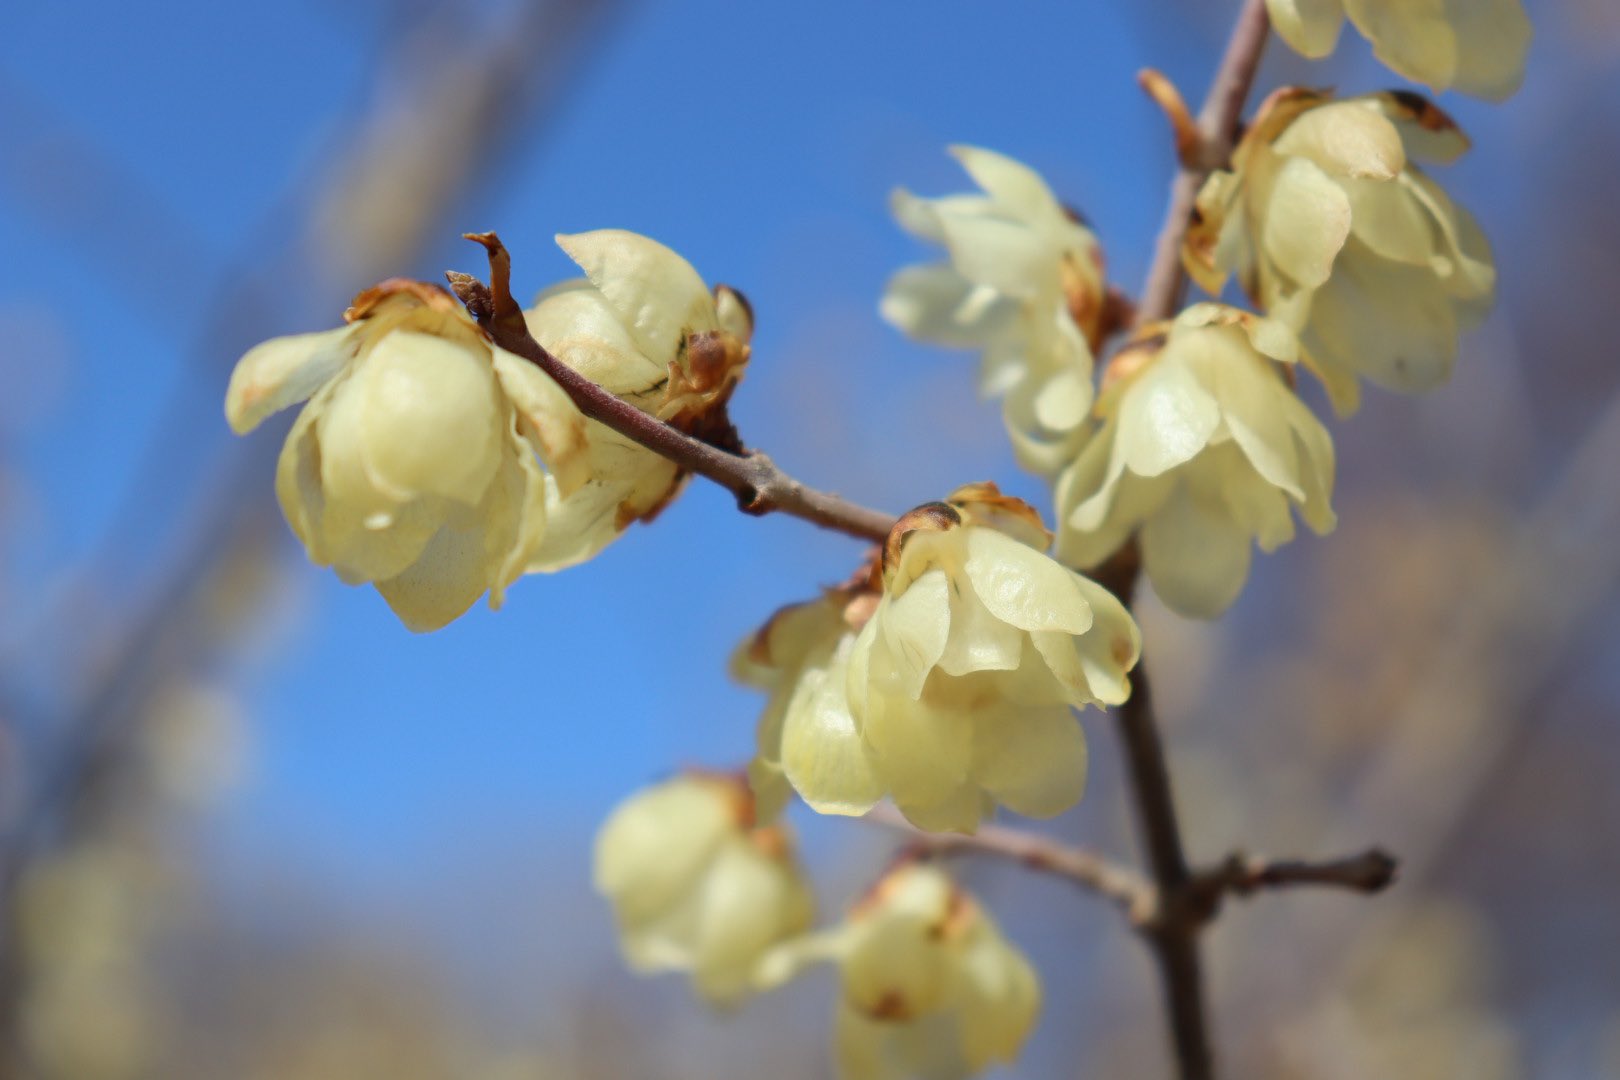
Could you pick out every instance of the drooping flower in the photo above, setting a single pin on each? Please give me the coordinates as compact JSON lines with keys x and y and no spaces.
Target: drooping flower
{"x":643,"y":326}
{"x":1203,"y":449}
{"x":928,"y":986}
{"x":697,"y":885}
{"x":1023,"y":285}
{"x":1332,"y":229}
{"x":955,"y":692}
{"x":413,"y":466}
{"x":1475,"y":46}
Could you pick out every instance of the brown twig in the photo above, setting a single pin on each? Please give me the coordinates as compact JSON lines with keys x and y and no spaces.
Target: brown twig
{"x":1174,"y":939}
{"x":1217,"y":130}
{"x":1139,"y":898}
{"x":1112,"y":881}
{"x":760,"y":487}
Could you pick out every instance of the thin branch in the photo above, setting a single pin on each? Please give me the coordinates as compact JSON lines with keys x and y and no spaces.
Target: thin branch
{"x":1137,"y":897}
{"x":1175,"y":940}
{"x":1371,"y":871}
{"x":1174,"y":934}
{"x":1217,"y":131}
{"x":760,"y":487}
{"x":1112,"y":881}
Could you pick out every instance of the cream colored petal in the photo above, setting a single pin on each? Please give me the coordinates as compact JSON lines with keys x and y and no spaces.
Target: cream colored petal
{"x":921,"y":753}
{"x":657,"y":294}
{"x":1391,"y":323}
{"x":1461,"y":256}
{"x":823,"y":754}
{"x":925,"y":218}
{"x":552,"y":423}
{"x":1493,"y":39}
{"x":1165,"y":419}
{"x":1013,"y":185}
{"x":897,"y":964}
{"x":1389,"y":220}
{"x":626,"y":481}
{"x":1102,"y":521}
{"x":1413,"y":37}
{"x":577,"y":325}
{"x":978,"y":641}
{"x":1023,"y":587}
{"x":1251,"y":404}
{"x":298,"y":481}
{"x":654,"y":845}
{"x":431,"y":421}
{"x":1000,"y":998}
{"x":1196,"y":557}
{"x":351,"y":488}
{"x":1033,"y":761}
{"x":1347,"y":139}
{"x":446,"y":579}
{"x":936,"y":303}
{"x":741,"y":915}
{"x":1305,"y":222}
{"x":284,"y":371}
{"x":1311,"y":27}
{"x":960,"y":811}
{"x":914,"y":628}
{"x":1002,"y":253}
{"x":516,"y":525}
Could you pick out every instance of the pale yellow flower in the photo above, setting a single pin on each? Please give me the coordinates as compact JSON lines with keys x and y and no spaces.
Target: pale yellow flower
{"x":643,"y":326}
{"x":1023,"y":285}
{"x":1332,"y":229}
{"x":697,"y":886}
{"x":1203,"y":449}
{"x":1475,"y":46}
{"x":413,"y":466}
{"x":956,"y":691}
{"x":928,"y":986}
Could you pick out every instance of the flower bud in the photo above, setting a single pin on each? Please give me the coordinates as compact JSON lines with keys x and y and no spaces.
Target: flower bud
{"x":697,"y":886}
{"x":413,"y":466}
{"x":928,"y":985}
{"x":1203,"y":449}
{"x":1024,"y":286}
{"x":1332,"y":229}
{"x":643,"y":326}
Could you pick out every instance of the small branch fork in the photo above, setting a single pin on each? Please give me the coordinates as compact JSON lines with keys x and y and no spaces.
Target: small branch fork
{"x":1134,"y":894}
{"x":759,"y":485}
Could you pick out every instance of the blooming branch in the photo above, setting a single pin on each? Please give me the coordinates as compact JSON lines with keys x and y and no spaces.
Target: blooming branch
{"x":760,"y":486}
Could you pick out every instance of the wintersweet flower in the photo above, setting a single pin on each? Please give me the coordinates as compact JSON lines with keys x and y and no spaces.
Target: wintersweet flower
{"x":1331,"y":229}
{"x":927,"y":984}
{"x":1476,"y":46}
{"x":643,"y":326}
{"x":947,"y":681}
{"x":1203,"y":449}
{"x":697,"y":886}
{"x":1023,"y":285}
{"x":413,"y":466}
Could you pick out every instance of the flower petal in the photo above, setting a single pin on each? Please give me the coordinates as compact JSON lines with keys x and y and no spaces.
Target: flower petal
{"x":430,"y":420}
{"x":1023,"y":587}
{"x":1306,"y":221}
{"x":1310,"y":26}
{"x":1195,"y":556}
{"x":1032,"y":760}
{"x":657,"y":294}
{"x":284,"y":371}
